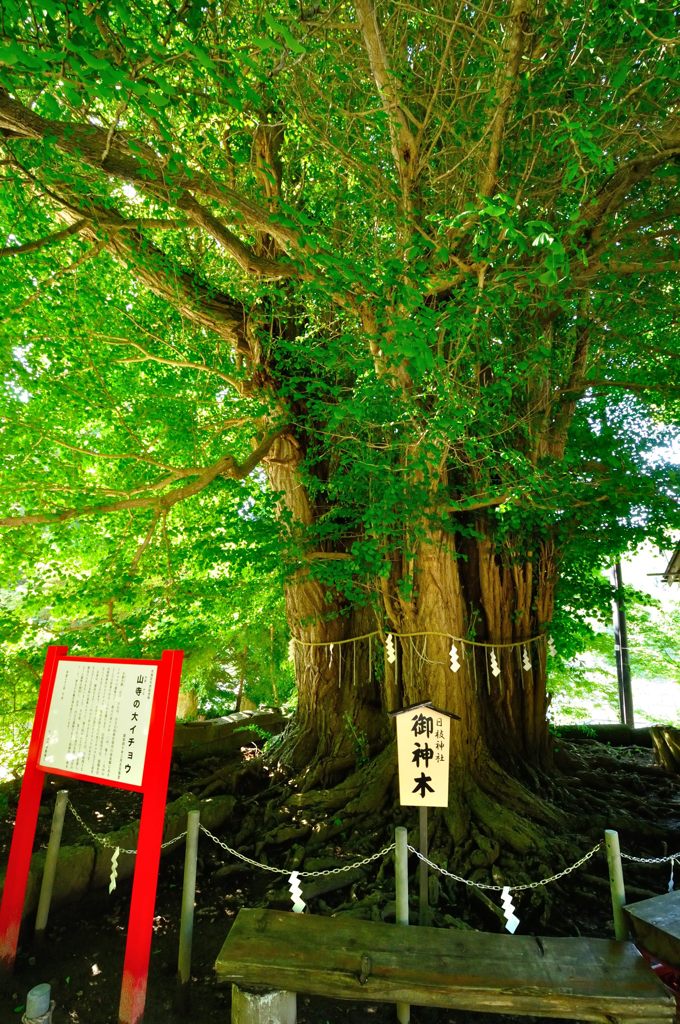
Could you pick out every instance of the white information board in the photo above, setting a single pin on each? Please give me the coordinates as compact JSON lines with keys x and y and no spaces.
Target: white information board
{"x":423,"y":736}
{"x":98,"y":721}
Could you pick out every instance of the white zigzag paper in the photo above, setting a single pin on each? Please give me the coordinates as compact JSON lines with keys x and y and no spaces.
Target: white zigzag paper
{"x":295,"y":887}
{"x":551,"y":647}
{"x":526,"y":660}
{"x":455,"y":662}
{"x":671,"y":881}
{"x":114,"y":869}
{"x":495,"y":670}
{"x":508,"y":911}
{"x":389,"y":647}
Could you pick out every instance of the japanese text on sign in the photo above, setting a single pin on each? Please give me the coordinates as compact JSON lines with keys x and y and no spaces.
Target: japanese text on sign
{"x":423,"y":751}
{"x":98,"y":722}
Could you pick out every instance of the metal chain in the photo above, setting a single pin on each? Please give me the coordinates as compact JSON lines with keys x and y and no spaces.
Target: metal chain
{"x":104,"y":841}
{"x":651,"y":860}
{"x":302,"y":874}
{"x":514,"y":888}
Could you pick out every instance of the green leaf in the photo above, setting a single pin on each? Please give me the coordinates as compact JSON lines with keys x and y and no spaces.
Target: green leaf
{"x":265,"y":43}
{"x":619,"y":75}
{"x":290,"y":40}
{"x":203,"y":58}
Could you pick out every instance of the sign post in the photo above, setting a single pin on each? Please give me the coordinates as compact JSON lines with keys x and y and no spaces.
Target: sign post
{"x":423,"y":744}
{"x":111,"y":722}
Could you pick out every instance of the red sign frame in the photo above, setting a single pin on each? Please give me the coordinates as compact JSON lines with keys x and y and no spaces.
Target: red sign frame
{"x":154,"y":791}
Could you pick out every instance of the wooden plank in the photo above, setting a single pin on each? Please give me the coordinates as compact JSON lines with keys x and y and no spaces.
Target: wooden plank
{"x":656,"y":925}
{"x":343,"y":958}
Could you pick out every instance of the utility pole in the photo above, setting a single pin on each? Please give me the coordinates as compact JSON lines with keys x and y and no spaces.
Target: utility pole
{"x":621,"y":649}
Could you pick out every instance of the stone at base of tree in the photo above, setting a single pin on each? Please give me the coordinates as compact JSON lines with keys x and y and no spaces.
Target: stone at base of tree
{"x":614,"y":734}
{"x":225,"y":736}
{"x":262,"y":1007}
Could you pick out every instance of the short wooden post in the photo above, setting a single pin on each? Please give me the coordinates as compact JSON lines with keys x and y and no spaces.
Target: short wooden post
{"x":423,"y":909}
{"x":401,"y":885}
{"x":38,"y":1004}
{"x":616,"y":885}
{"x":262,"y":1007}
{"x":50,"y":871}
{"x":186,"y":924}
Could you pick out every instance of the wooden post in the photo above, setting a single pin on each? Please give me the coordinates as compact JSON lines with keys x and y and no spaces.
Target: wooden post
{"x":186,"y":924}
{"x":262,"y":1007}
{"x":50,"y":871}
{"x":423,"y":910}
{"x":616,"y":885}
{"x":38,"y":1003}
{"x":626,"y":710}
{"x":401,"y":895}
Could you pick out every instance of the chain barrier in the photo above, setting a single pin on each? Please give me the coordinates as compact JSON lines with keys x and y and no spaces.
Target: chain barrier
{"x":103,"y":841}
{"x":670,"y":858}
{"x":301,"y":874}
{"x":651,"y":860}
{"x":500,"y":888}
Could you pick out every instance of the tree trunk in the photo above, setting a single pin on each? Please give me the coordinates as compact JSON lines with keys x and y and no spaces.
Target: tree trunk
{"x":340,"y":721}
{"x":492,"y":607}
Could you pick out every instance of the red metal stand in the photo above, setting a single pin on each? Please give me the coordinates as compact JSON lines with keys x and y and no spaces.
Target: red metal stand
{"x":20,"y":851}
{"x":155,"y":786}
{"x":154,"y":789}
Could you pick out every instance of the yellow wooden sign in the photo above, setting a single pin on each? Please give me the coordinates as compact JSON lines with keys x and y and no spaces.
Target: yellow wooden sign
{"x":423,"y":739}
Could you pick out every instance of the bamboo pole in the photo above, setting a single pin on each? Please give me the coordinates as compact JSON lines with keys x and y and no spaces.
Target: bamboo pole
{"x":424,"y":910}
{"x":50,"y":871}
{"x":401,"y":885}
{"x":186,"y":925}
{"x":618,"y":891}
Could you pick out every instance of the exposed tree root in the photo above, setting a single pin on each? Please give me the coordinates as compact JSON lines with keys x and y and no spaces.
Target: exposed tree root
{"x":496,"y":830}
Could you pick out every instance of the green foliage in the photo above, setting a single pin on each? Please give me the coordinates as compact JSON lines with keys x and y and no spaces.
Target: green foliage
{"x":586,"y":674}
{"x":271,"y":312}
{"x":359,"y":741}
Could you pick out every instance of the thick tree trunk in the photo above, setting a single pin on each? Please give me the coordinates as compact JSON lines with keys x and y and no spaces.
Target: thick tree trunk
{"x":499,"y":611}
{"x":492,"y":607}
{"x":340,"y":721}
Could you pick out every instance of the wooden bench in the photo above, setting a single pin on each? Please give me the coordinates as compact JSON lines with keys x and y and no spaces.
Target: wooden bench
{"x":344,"y":958}
{"x":656,"y":926}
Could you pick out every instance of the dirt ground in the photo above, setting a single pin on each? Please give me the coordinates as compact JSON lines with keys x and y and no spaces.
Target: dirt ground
{"x":83,"y":953}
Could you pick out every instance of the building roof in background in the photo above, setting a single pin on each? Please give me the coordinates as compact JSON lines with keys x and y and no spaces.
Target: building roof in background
{"x":672,"y":571}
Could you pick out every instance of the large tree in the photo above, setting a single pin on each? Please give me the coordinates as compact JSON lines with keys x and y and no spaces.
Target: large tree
{"x":411,"y":263}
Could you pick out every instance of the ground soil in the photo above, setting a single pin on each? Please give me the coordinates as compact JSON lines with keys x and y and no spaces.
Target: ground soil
{"x":598,"y":785}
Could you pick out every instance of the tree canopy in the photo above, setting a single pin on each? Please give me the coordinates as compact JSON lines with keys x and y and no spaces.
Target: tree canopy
{"x":309,"y":286}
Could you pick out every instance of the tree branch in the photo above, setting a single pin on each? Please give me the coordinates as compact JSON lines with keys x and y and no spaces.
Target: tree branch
{"x":92,"y":145}
{"x":227,"y":466}
{"x":516,"y":35}
{"x":183,"y":364}
{"x":626,"y":269}
{"x":612,"y":194}
{"x":404,"y":146}
{"x":193,"y":299}
{"x":40,"y":243}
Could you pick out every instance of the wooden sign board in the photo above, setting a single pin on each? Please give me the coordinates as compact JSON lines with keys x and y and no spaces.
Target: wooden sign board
{"x":423,"y":743}
{"x":98,"y":722}
{"x":109,"y":722}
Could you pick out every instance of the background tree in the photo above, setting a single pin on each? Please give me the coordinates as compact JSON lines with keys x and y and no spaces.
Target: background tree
{"x":396,"y":258}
